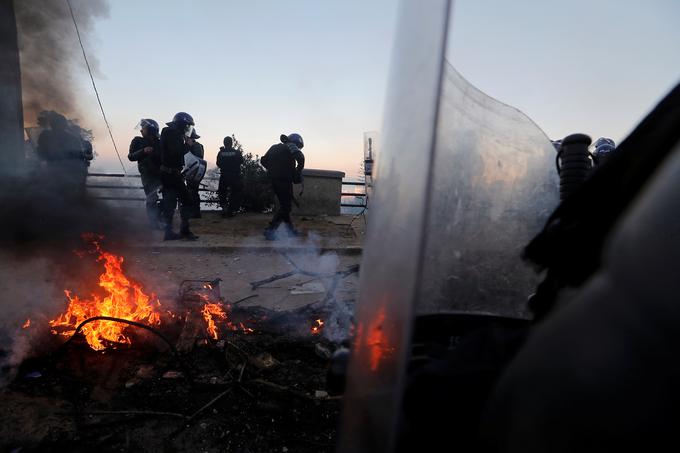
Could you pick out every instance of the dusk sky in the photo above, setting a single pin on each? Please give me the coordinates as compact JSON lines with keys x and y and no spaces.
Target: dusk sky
{"x":261,"y":68}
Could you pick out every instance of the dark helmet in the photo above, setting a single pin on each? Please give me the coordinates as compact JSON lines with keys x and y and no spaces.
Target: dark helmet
{"x":228,"y":142}
{"x":183,"y":117}
{"x":603,"y":146}
{"x":58,"y":121}
{"x":296,"y":139}
{"x":149,"y":123}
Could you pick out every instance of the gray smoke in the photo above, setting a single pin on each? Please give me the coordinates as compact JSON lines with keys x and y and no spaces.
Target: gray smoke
{"x":50,"y":54}
{"x":34,"y":205}
{"x":42,"y":214}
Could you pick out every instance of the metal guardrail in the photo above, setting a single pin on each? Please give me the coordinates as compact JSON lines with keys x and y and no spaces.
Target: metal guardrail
{"x":363,"y":195}
{"x":214,"y":200}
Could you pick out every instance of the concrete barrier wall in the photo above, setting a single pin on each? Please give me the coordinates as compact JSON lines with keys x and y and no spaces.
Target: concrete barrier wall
{"x":322,"y":193}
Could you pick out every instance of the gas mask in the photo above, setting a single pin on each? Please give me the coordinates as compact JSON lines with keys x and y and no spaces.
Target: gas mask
{"x":188,"y":130}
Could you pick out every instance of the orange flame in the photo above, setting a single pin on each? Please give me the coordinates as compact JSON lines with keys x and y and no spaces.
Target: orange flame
{"x":243,"y":328}
{"x":217,"y":312}
{"x":374,"y":340}
{"x":27,"y":324}
{"x":317,"y":326}
{"x":210,"y":312}
{"x":122,"y":298}
{"x":377,"y":340}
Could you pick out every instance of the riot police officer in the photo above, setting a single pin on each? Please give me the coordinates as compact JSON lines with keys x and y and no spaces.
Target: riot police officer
{"x":229,"y":161}
{"x":64,"y":154}
{"x":173,"y":148}
{"x":284,"y":163}
{"x":146,"y":151}
{"x":197,"y":150}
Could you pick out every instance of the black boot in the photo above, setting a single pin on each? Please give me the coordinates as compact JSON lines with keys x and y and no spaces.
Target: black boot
{"x":171,"y":235}
{"x":270,"y":234}
{"x":185,"y":232}
{"x":188,"y":235}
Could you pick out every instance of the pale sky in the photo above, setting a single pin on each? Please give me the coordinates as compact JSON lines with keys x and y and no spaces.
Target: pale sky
{"x":261,"y":68}
{"x":591,"y":66}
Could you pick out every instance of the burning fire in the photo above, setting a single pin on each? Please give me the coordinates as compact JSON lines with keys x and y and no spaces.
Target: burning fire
{"x":317,"y":326}
{"x":27,"y":324}
{"x":210,"y":312}
{"x":121,"y":298}
{"x":216,"y":314}
{"x":377,"y":340}
{"x":374,"y":340}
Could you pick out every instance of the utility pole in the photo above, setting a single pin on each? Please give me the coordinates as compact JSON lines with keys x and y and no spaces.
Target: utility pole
{"x":11,"y":108}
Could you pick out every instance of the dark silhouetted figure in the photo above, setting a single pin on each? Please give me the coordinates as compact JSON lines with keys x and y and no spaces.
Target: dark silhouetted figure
{"x":65,"y":154}
{"x":229,"y":161}
{"x":197,"y":150}
{"x":173,"y":149}
{"x":284,"y":163}
{"x":146,"y":151}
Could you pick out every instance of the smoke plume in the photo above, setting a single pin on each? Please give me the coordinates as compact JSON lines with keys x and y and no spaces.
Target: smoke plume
{"x":50,"y":54}
{"x":44,"y":208}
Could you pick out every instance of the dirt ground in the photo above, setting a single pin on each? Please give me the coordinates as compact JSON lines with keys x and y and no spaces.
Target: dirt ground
{"x":141,"y":399}
{"x":166,"y":270}
{"x":343,"y":234}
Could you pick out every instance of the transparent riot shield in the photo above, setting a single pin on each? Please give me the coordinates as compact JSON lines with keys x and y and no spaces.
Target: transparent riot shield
{"x":493,"y":186}
{"x":462,"y":183}
{"x":392,"y":258}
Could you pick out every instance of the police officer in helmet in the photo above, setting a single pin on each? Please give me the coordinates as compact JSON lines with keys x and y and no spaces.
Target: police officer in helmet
{"x":229,"y":161}
{"x":173,"y":147}
{"x":604,"y":147}
{"x":63,"y":151}
{"x":197,"y":150}
{"x":284,"y":163}
{"x":146,"y":151}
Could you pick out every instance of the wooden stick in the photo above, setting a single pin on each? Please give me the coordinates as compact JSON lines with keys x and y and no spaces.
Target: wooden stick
{"x":273,"y":278}
{"x":210,"y":403}
{"x":245,"y":299}
{"x":281,"y":388}
{"x":240,"y":375}
{"x":130,"y":412}
{"x":350,"y":270}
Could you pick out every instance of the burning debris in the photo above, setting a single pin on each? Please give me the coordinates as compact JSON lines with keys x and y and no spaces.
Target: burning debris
{"x":122,"y":298}
{"x":210,"y":313}
{"x":217,"y":311}
{"x":317,"y":326}
{"x":245,"y":370}
{"x":125,"y":300}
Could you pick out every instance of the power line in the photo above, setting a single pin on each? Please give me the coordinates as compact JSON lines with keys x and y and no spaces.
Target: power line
{"x":94,"y":85}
